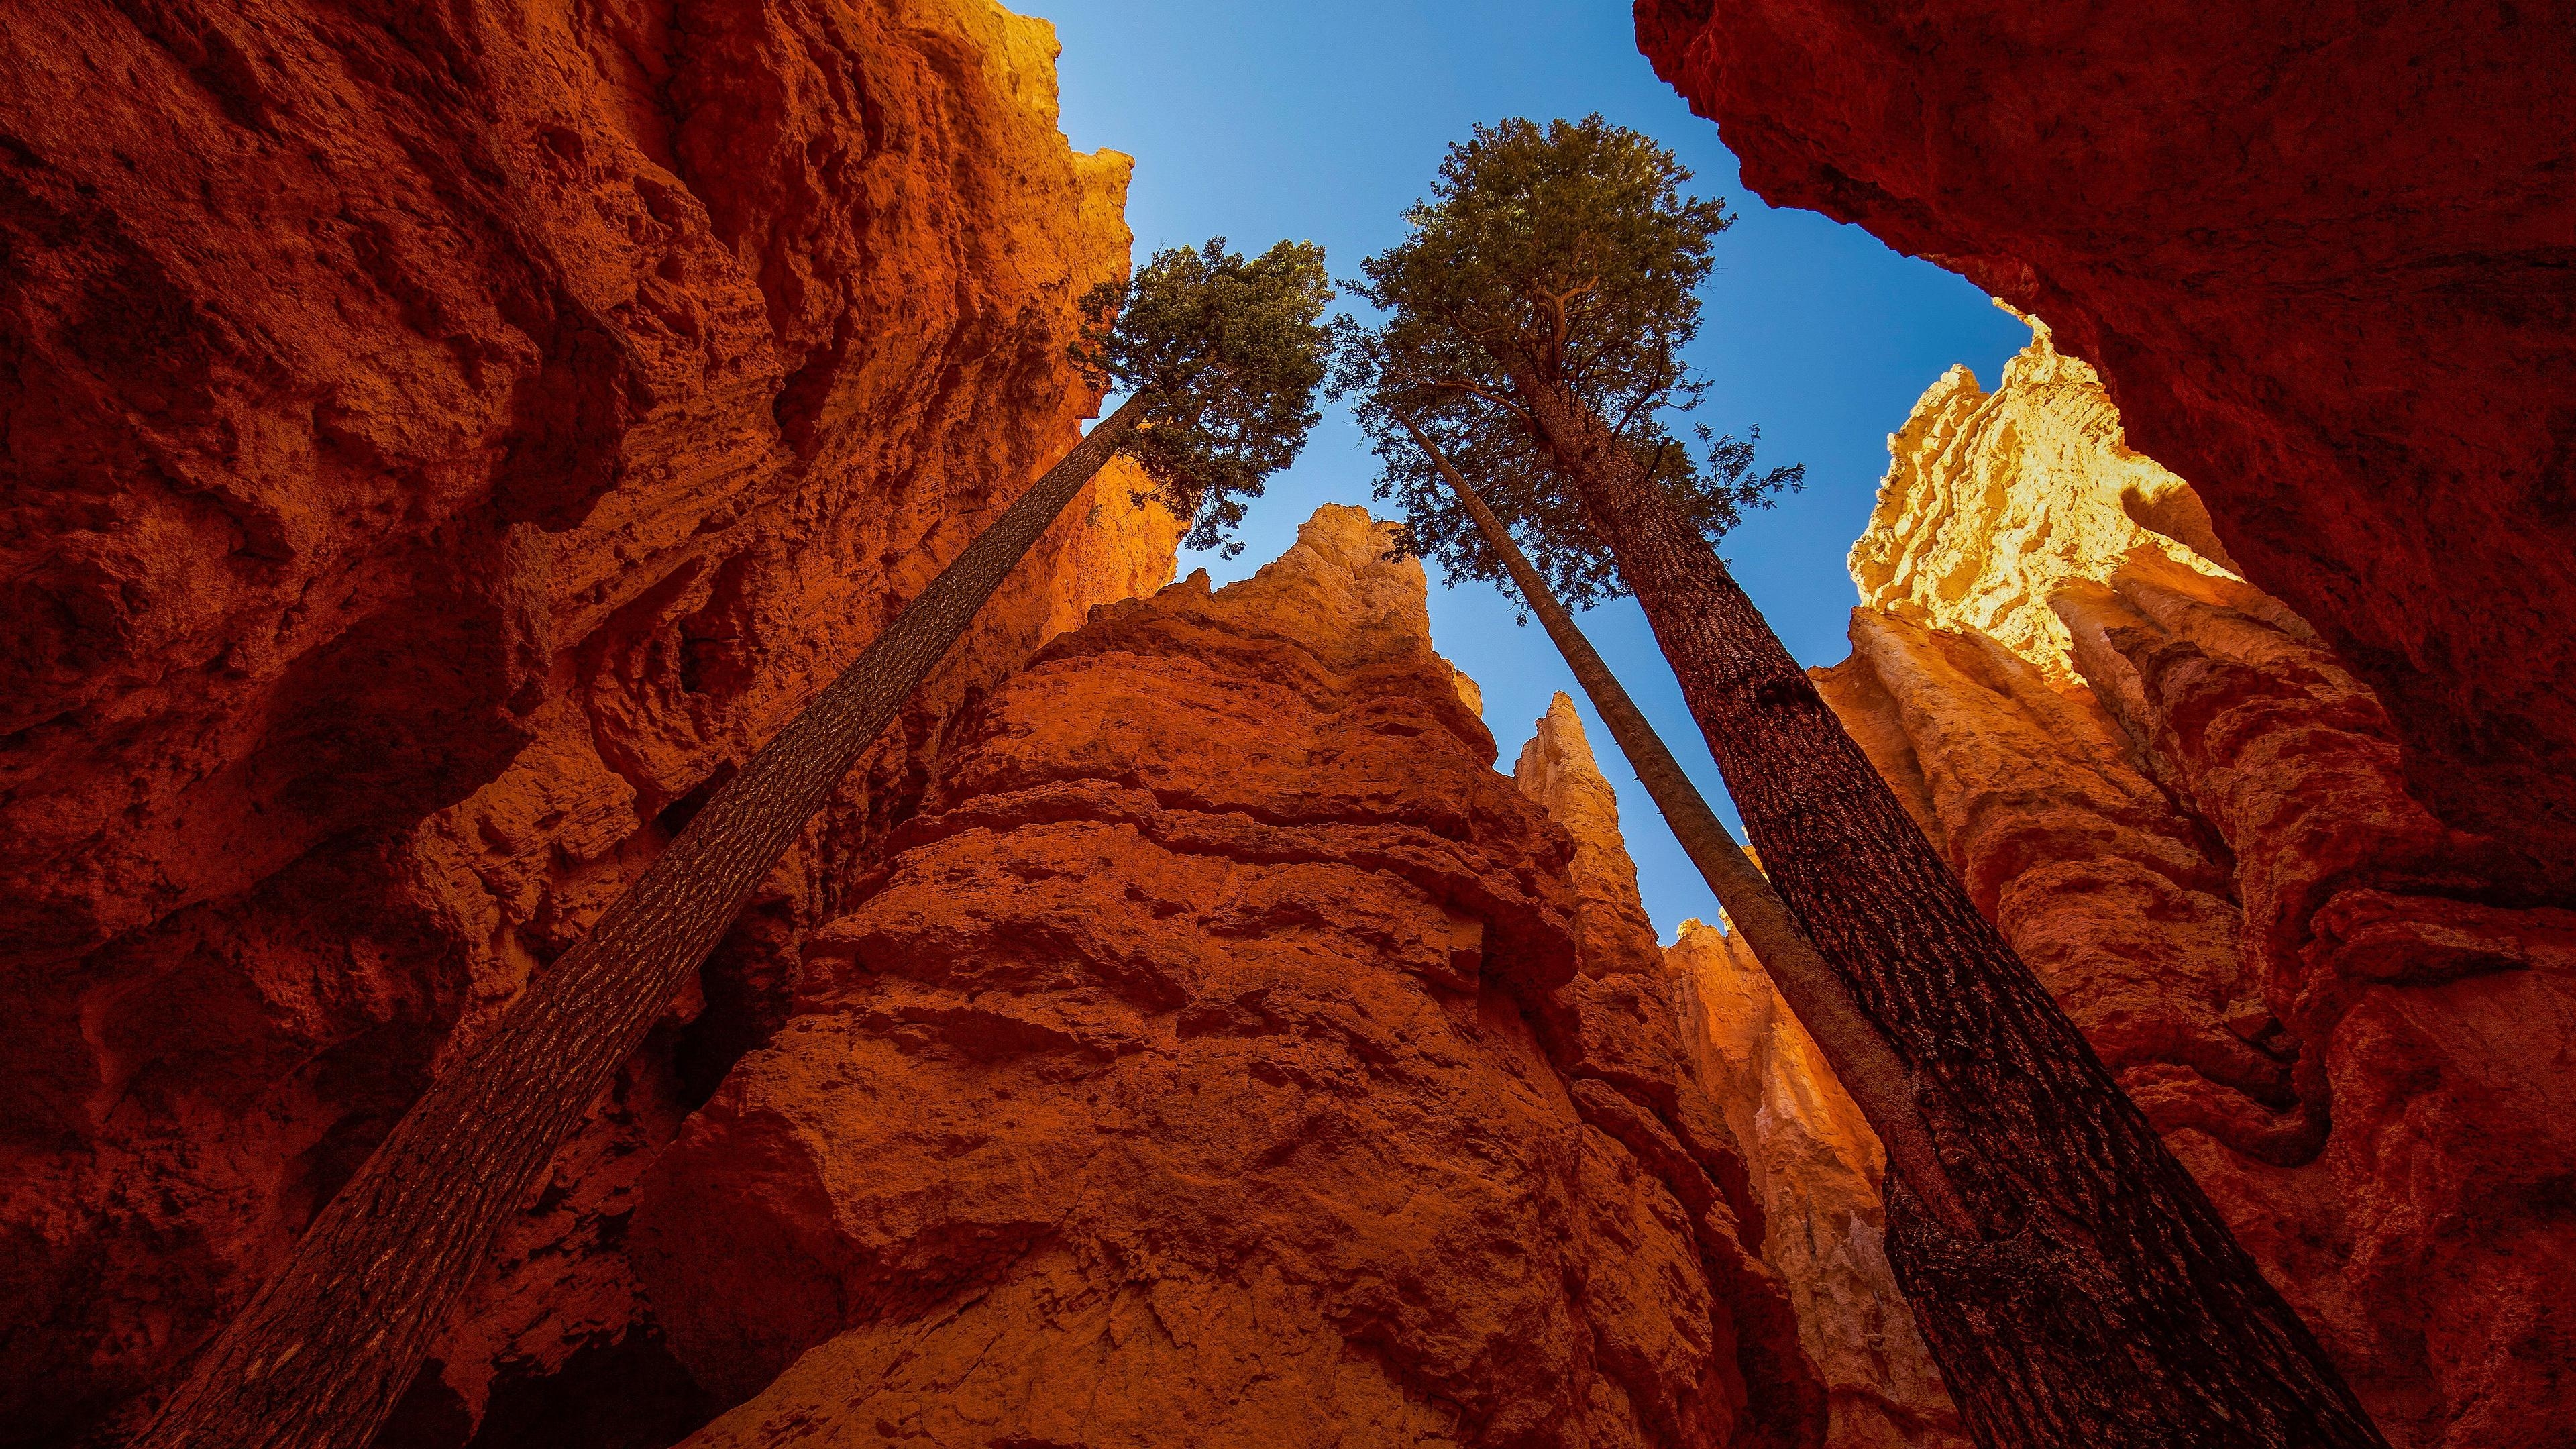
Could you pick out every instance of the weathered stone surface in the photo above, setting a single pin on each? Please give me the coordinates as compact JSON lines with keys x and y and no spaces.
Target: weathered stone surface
{"x":1818,"y":1170}
{"x":443,"y":439}
{"x":1557,"y":770}
{"x":1811,"y":1162}
{"x":2123,"y":901}
{"x":1217,"y":1061}
{"x":2257,"y":222}
{"x":2192,"y":820}
{"x":1993,"y":500}
{"x":2430,"y":1025}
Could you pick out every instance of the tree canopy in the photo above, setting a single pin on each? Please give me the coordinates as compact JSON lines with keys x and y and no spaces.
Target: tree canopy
{"x":1227,"y":354}
{"x":1566,"y":258}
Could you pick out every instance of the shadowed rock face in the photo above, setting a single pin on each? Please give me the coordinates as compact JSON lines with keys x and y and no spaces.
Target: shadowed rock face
{"x":1218,"y":1058}
{"x":2322,"y":265}
{"x":2191,"y":818}
{"x":443,"y":440}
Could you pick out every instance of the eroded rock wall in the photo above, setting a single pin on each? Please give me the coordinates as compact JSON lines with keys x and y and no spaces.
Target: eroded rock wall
{"x":1812,"y":1162}
{"x":2320,"y":257}
{"x":1819,"y":1172}
{"x":2192,"y":819}
{"x":1225,"y":1053}
{"x":444,"y":439}
{"x":1557,"y":770}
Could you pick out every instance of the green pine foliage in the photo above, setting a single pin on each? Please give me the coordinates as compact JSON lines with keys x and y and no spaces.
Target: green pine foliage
{"x":1567,"y":257}
{"x":1227,"y":353}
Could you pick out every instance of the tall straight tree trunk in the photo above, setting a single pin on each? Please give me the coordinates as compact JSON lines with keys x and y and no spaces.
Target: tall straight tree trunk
{"x":1876,"y":1078}
{"x":336,"y":1333}
{"x":2105,"y":1305}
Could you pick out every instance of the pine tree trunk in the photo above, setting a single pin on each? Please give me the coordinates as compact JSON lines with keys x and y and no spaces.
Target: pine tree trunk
{"x":2105,"y":1305}
{"x":336,"y":1333}
{"x":1870,"y":1071}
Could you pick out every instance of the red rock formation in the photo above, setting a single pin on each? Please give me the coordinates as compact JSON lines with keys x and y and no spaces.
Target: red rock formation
{"x":1557,"y":770}
{"x":2191,"y":819}
{"x":1217,"y":1060}
{"x":2120,"y":900}
{"x":1813,"y":1163}
{"x":442,"y":439}
{"x":1818,"y":1170}
{"x":2321,"y":259}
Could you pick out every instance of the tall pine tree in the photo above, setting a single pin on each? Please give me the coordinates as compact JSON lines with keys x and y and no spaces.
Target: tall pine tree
{"x":1534,"y":320}
{"x":1221,"y":357}
{"x":1876,"y":1078}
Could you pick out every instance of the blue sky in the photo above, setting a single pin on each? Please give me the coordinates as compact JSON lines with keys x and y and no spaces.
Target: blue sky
{"x":1322,"y":121}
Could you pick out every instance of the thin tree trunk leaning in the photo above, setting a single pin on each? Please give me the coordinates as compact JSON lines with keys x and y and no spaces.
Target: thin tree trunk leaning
{"x":1869,"y":1070}
{"x":2105,"y":1305}
{"x":336,"y":1333}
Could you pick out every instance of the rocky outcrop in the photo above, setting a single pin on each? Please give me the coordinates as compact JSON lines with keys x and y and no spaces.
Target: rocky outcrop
{"x":444,"y":440}
{"x":1218,"y":1056}
{"x":2192,"y":820}
{"x":1994,"y":500}
{"x":1818,"y":1171}
{"x":1557,"y":770}
{"x":1812,"y":1162}
{"x":2120,"y":897}
{"x":2257,"y":224}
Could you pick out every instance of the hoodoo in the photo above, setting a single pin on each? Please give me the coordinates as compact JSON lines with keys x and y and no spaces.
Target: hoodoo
{"x":1813,"y":1164}
{"x":444,"y":444}
{"x":1816,"y":1170}
{"x":2191,"y":818}
{"x":1226,"y":1043}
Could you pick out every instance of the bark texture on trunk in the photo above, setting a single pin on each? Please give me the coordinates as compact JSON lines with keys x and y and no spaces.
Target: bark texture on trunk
{"x":2104,"y":1305}
{"x":335,"y":1335}
{"x":1869,"y":1069}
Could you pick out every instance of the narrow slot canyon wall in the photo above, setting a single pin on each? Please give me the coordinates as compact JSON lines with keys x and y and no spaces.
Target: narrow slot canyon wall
{"x":1813,"y":1164}
{"x":2191,"y":818}
{"x":2320,"y":255}
{"x":1227,"y":1053}
{"x":1819,"y":1172}
{"x":446,"y":443}
{"x":444,"y":439}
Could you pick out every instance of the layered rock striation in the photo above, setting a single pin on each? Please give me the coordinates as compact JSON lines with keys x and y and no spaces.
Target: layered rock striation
{"x":2193,"y":821}
{"x":1227,"y":1053}
{"x":443,"y":441}
{"x":2259,"y":226}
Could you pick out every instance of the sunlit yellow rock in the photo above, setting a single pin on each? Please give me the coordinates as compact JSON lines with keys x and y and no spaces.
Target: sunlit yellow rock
{"x":1994,"y":499}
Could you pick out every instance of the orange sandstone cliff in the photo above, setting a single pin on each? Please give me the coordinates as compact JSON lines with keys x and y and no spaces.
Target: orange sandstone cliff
{"x":2192,"y":819}
{"x":443,"y":440}
{"x":2320,"y":256}
{"x":1813,"y":1163}
{"x":1818,"y":1170}
{"x":1226,"y":1054}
